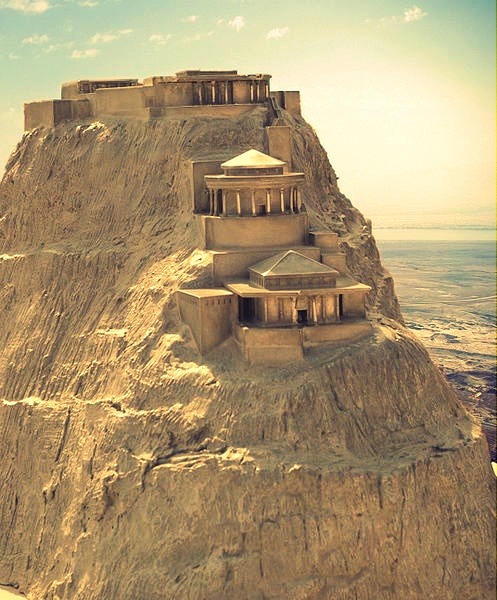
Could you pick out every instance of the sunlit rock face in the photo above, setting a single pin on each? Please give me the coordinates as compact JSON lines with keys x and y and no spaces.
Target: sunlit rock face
{"x":134,"y":468}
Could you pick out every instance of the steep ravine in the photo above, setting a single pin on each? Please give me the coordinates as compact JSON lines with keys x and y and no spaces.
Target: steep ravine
{"x":132,"y":470}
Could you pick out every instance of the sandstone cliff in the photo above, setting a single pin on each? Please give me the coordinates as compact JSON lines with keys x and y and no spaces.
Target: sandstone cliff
{"x":132,"y":469}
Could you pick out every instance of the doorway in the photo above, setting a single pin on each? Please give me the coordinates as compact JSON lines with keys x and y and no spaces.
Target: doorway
{"x":246,"y":310}
{"x":261,"y":209}
{"x":340,"y":305}
{"x":302,"y":317}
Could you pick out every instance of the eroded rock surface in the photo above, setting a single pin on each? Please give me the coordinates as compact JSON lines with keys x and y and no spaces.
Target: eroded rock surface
{"x":131,"y":468}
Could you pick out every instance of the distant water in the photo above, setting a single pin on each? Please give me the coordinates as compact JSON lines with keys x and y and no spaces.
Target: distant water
{"x":447,"y":294}
{"x":432,"y":234}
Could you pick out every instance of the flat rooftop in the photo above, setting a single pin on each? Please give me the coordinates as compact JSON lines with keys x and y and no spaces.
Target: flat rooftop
{"x":206,"y":292}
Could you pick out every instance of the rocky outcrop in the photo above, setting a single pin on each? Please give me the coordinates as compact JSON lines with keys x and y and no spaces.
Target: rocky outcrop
{"x":132,"y":468}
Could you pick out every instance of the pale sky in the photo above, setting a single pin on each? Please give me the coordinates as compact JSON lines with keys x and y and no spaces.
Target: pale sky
{"x":402,"y":95}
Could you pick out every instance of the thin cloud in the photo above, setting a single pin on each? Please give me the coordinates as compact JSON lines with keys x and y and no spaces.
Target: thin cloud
{"x":413,"y":14}
{"x":27,"y":6}
{"x":88,"y":3}
{"x":109,"y":36}
{"x":410,"y":15}
{"x":237,"y":23}
{"x":36,"y":39}
{"x":88,"y":53}
{"x":191,"y":19}
{"x":157,"y":38}
{"x":277,"y":33}
{"x":198,"y":37}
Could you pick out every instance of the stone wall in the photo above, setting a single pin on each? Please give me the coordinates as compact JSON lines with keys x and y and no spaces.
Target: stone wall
{"x":209,"y":318}
{"x":279,"y":144}
{"x":49,"y":113}
{"x":230,"y":264}
{"x":354,"y":304}
{"x":245,"y":232}
{"x":200,"y":168}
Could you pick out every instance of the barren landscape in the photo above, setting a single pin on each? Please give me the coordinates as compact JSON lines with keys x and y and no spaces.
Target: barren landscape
{"x":447,"y":295}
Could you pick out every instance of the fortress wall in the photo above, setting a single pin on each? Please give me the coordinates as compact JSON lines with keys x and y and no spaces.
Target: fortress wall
{"x":246,"y":232}
{"x":354,"y":304}
{"x":38,"y":114}
{"x":210,"y":319}
{"x":218,"y":317}
{"x":130,"y":101}
{"x":289,"y":100}
{"x":270,"y":347}
{"x":279,"y":144}
{"x":174,"y":94}
{"x":233,"y":264}
{"x":226,"y":111}
{"x":199,"y":169}
{"x":80,"y":109}
{"x":336,"y":260}
{"x":241,"y":92}
{"x":49,"y":113}
{"x":70,"y":90}
{"x":324,"y":239}
{"x":189,"y":309}
{"x":335,"y":332}
{"x":292,"y":103}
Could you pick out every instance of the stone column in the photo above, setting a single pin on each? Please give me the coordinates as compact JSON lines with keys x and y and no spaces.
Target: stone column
{"x":291,"y":199}
{"x":282,"y":201}
{"x":211,"y":203}
{"x":238,"y":204}
{"x":252,"y":197}
{"x":224,"y":212}
{"x":299,"y":200}
{"x":314,"y":310}
{"x":295,"y":314}
{"x":268,"y":202}
{"x":262,"y":91}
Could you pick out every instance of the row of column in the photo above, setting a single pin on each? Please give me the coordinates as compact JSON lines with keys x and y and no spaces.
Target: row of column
{"x":320,"y":309}
{"x":222,"y":92}
{"x":213,"y":92}
{"x":217,"y":208}
{"x":259,"y":91}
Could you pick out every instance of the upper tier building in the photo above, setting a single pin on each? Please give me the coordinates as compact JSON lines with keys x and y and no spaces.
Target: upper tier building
{"x":185,"y":94}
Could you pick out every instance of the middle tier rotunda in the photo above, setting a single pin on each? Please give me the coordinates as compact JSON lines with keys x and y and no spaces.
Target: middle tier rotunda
{"x":254,"y":184}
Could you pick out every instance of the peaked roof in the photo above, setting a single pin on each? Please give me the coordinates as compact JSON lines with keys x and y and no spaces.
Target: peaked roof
{"x":290,"y":263}
{"x":253,"y":159}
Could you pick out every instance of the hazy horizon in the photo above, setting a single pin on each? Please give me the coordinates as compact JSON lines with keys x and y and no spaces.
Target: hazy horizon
{"x":402,"y":96}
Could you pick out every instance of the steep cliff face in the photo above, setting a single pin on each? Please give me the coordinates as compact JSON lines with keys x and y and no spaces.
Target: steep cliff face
{"x":133,"y":469}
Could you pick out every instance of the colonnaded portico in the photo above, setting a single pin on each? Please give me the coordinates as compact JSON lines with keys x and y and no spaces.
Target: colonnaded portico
{"x":254,"y":184}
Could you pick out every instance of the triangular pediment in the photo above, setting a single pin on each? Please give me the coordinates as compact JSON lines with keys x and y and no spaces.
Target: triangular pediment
{"x":290,"y":263}
{"x":253,"y":159}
